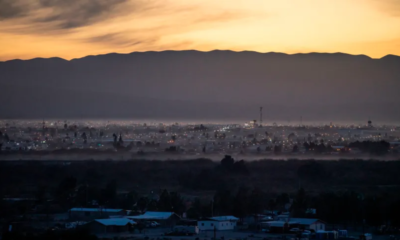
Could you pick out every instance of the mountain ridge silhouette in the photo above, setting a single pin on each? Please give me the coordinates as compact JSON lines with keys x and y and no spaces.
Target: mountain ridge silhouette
{"x":216,"y":50}
{"x":223,"y":84}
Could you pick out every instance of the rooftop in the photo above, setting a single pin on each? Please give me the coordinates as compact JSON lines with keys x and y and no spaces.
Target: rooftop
{"x":302,"y":221}
{"x":305,"y":221}
{"x":115,"y":221}
{"x":279,"y":223}
{"x":153,"y":215}
{"x":95,"y":210}
{"x":225,"y":218}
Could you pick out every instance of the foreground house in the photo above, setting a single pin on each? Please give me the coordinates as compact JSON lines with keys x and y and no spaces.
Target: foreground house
{"x":309,"y":223}
{"x":109,"y":225}
{"x":218,"y":223}
{"x":279,"y":226}
{"x":164,"y":218}
{"x":257,"y":218}
{"x":284,"y":223}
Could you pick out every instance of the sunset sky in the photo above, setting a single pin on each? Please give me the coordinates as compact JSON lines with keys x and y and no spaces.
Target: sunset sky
{"x":76,"y":28}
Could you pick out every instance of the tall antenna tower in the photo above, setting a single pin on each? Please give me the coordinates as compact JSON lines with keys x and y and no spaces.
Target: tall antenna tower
{"x":261,"y":116}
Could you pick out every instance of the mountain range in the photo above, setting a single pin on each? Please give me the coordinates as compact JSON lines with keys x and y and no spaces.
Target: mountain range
{"x":203,"y":85}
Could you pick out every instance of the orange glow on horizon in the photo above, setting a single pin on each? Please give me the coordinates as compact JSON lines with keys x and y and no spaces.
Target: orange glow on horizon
{"x":369,"y":27}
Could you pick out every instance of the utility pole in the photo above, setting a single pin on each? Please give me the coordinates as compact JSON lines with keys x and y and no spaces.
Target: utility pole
{"x":212,"y":208}
{"x":86,"y":189}
{"x":215,"y":232}
{"x":261,"y":116}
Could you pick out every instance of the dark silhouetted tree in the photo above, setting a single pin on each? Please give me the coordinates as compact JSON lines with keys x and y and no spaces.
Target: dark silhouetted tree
{"x":66,"y":185}
{"x":240,"y":167}
{"x":312,"y":170}
{"x":110,"y":193}
{"x":223,"y":202}
{"x":300,"y":203}
{"x":195,"y":212}
{"x":131,"y":198}
{"x":142,"y":204}
{"x":295,"y":149}
{"x":227,"y":162}
{"x":282,"y":200}
{"x":240,"y":205}
{"x":272,"y":204}
{"x":177,"y":203}
{"x":256,"y":201}
{"x":277,"y":149}
{"x":164,"y":202}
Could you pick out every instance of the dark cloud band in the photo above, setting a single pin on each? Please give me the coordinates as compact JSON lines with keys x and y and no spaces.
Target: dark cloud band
{"x":60,"y":14}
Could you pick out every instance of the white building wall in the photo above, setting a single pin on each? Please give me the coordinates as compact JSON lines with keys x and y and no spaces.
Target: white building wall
{"x":207,"y":225}
{"x":226,"y":225}
{"x":318,"y":226}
